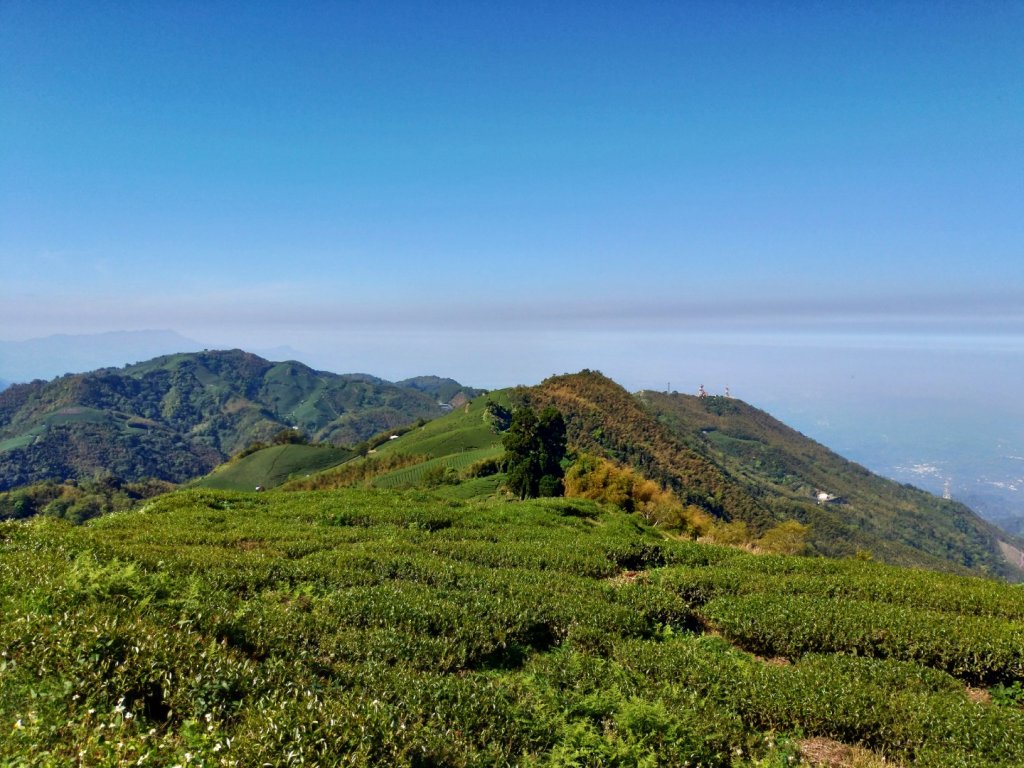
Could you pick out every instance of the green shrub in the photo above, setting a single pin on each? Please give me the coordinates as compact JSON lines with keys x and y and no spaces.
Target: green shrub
{"x":363,"y":628}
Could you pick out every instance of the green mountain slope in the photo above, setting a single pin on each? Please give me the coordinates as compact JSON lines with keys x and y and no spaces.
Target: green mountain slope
{"x":369,"y":627}
{"x":848,"y":507}
{"x":465,"y":435}
{"x":733,"y":461}
{"x":465,"y":429}
{"x":447,"y":391}
{"x":738,"y":463}
{"x":270,"y":467}
{"x":602,"y":417}
{"x":178,"y":416}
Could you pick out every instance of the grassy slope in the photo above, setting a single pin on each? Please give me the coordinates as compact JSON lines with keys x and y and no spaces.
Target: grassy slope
{"x":454,"y":440}
{"x":270,"y":467}
{"x":750,"y":467}
{"x":731,"y":459}
{"x":464,"y":429}
{"x":790,"y":469}
{"x":412,"y":477}
{"x":377,"y":627}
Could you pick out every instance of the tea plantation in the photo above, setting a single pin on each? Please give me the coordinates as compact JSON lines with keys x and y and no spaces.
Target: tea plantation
{"x":382,"y":627}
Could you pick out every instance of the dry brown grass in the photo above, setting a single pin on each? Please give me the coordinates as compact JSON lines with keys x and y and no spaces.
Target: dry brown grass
{"x":979,"y":695}
{"x":829,"y":753}
{"x":628,"y":577}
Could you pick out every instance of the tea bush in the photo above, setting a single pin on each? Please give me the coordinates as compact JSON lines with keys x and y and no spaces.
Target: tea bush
{"x":376,"y":627}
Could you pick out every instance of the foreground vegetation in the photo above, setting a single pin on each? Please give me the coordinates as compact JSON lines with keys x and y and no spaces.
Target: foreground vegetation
{"x":380,"y":627}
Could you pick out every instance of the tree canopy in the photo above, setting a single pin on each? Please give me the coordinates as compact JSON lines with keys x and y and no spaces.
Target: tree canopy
{"x":534,"y":449}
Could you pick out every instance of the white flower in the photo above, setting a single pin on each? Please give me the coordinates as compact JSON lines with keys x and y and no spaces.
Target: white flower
{"x":18,"y":726}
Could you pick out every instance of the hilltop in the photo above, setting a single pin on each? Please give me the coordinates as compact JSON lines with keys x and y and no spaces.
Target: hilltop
{"x":731,"y":461}
{"x":176,"y":417}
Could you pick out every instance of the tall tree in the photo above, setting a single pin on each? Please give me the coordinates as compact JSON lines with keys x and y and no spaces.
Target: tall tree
{"x":534,"y":449}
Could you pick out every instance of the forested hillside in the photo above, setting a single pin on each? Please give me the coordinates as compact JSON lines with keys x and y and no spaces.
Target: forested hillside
{"x":848,"y":507}
{"x":176,"y":417}
{"x":740,"y":464}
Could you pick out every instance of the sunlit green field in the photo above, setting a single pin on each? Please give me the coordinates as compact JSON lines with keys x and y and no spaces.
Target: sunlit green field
{"x":378,"y":627}
{"x":273,"y":466}
{"x":413,"y":476}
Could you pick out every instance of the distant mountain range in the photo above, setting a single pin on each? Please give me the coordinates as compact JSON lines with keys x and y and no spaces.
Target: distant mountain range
{"x":177,"y":416}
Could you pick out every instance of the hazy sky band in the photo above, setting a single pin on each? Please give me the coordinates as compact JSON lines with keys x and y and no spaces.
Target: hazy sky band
{"x":251,"y":173}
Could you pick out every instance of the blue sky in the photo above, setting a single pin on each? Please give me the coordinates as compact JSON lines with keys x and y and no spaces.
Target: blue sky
{"x":663,"y":191}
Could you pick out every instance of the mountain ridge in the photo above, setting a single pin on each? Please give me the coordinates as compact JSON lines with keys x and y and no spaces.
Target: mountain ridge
{"x":177,"y":416}
{"x":728,"y":459}
{"x":767,"y":472}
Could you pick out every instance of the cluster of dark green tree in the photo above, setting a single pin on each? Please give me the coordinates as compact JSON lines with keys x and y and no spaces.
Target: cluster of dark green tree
{"x":78,"y":501}
{"x":535,"y":446}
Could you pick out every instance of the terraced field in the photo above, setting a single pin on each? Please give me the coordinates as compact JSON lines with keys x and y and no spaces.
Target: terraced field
{"x":411,"y":477}
{"x":273,"y":466}
{"x":378,"y":627}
